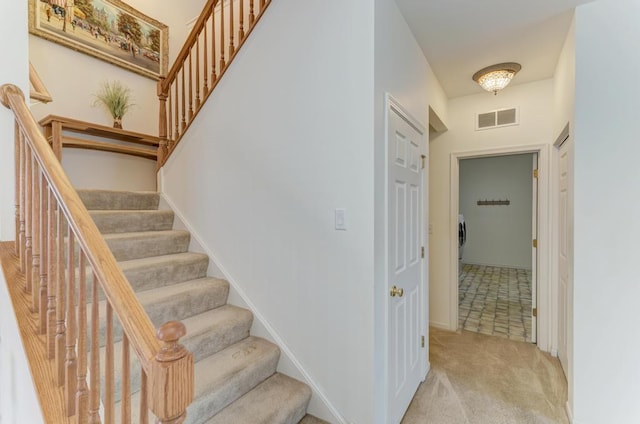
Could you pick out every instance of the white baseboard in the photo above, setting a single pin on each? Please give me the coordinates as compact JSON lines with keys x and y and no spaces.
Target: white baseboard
{"x":567,"y":409}
{"x":554,"y":353}
{"x":320,"y":406}
{"x":439,"y":325}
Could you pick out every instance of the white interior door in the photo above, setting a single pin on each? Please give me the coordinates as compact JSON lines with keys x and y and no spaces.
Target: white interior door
{"x":534,"y":252}
{"x":564,"y":252}
{"x":405,"y":222}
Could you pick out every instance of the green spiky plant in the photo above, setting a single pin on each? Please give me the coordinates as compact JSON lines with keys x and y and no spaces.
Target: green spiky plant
{"x":116,"y":99}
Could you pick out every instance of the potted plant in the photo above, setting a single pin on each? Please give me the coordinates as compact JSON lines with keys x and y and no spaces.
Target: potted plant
{"x":116,"y":99}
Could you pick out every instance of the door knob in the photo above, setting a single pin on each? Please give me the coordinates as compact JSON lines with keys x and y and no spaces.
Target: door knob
{"x":396,"y":292}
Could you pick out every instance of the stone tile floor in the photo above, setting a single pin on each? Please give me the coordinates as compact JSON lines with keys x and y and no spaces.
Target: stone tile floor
{"x":495,"y":301}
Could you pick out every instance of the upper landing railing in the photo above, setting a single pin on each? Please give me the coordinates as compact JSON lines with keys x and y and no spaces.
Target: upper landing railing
{"x":217,"y":35}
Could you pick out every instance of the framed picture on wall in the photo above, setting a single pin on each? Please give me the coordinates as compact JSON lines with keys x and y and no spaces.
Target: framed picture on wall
{"x":110,"y":30}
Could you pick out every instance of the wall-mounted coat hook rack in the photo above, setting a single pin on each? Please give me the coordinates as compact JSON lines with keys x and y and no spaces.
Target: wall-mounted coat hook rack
{"x":485,"y":202}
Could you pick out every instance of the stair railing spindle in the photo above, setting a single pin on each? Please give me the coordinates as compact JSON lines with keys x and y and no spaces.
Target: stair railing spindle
{"x":16,"y":169}
{"x":60,"y":301}
{"x":190,"y":86}
{"x":52,"y":277}
{"x":35,"y":231}
{"x":71,"y":363}
{"x":125,"y":397}
{"x":82,"y":394}
{"x":184,"y":99}
{"x":144,"y":407}
{"x":205,"y":60}
{"x":214,"y":60}
{"x":23,"y":198}
{"x":197,"y":76}
{"x":241,"y":29}
{"x":252,"y":16}
{"x":94,"y":383}
{"x":28,"y":211}
{"x":222,"y":44}
{"x":109,"y":387}
{"x":232,"y":47}
{"x":44,"y":255}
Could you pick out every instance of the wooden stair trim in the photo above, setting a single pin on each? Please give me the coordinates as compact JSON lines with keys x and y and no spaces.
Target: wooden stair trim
{"x":38,"y":90}
{"x":80,"y":143}
{"x":43,"y":370}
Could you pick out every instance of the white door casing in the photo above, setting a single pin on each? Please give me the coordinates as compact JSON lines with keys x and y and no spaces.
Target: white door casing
{"x":534,"y":251}
{"x":547,"y":306}
{"x":565,"y":238}
{"x":406,"y":324}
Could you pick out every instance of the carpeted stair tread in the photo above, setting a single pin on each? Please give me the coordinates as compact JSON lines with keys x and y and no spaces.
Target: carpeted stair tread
{"x":207,"y":333}
{"x":144,"y":244}
{"x":174,"y":303}
{"x":113,"y":199}
{"x":229,"y":374}
{"x":214,"y":330}
{"x":159,"y":271}
{"x":277,"y":400}
{"x":124,"y":221}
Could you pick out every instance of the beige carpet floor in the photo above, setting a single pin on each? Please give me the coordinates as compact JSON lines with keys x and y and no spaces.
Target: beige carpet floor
{"x":479,"y":379}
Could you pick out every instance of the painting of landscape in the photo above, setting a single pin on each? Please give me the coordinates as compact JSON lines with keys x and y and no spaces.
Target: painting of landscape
{"x":107,"y":29}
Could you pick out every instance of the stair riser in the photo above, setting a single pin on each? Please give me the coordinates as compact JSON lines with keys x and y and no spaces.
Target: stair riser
{"x":134,"y":221}
{"x":145,"y":247}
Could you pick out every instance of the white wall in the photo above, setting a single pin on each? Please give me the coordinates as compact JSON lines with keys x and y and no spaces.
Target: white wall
{"x":535,"y":101}
{"x":402,"y":71}
{"x":563,"y":113}
{"x":497,"y":235}
{"x":18,"y":400}
{"x":14,"y":70}
{"x":606,"y":371}
{"x":285,"y":139}
{"x":72,"y":78}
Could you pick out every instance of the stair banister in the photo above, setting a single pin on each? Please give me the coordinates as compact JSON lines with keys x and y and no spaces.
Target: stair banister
{"x":221,"y":30}
{"x":168,"y":366}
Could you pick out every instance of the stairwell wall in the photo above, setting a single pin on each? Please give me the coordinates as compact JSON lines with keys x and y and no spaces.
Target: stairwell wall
{"x":285,"y":139}
{"x":18,"y":399}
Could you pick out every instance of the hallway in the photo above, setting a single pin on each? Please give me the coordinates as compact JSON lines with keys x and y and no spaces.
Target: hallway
{"x":477,"y":379}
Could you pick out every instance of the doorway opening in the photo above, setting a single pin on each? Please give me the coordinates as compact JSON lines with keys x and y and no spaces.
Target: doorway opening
{"x":497,"y":255}
{"x":542,"y":295}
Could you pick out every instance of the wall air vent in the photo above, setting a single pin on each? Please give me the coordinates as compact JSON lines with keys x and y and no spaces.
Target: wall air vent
{"x":497,"y":118}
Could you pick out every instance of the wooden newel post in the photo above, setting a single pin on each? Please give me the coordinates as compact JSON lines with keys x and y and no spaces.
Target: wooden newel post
{"x":171,"y":378}
{"x":162,"y":121}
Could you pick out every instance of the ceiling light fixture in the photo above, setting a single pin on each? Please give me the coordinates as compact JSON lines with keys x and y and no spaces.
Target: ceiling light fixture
{"x":496,"y":77}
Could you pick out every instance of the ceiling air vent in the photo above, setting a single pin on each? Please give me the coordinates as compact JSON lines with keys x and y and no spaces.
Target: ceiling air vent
{"x":497,"y":118}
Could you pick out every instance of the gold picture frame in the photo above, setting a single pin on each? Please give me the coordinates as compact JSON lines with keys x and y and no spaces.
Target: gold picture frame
{"x":109,"y":30}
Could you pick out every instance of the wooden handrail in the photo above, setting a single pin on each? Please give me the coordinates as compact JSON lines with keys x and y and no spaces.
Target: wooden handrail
{"x":38,"y":89}
{"x":49,"y":191}
{"x":55,"y":125}
{"x":217,"y":36}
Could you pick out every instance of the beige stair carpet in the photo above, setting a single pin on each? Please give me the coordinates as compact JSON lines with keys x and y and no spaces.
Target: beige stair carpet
{"x":236,"y":381}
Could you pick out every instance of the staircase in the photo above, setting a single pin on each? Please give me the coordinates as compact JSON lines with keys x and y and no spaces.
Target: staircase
{"x":236,"y":381}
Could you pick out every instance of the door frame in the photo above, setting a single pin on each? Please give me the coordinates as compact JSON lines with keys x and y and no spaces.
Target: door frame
{"x":547,"y":310}
{"x":391,"y":106}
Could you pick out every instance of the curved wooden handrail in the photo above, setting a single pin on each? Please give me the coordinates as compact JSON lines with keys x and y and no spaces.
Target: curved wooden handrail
{"x":170,"y":383}
{"x":217,"y":35}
